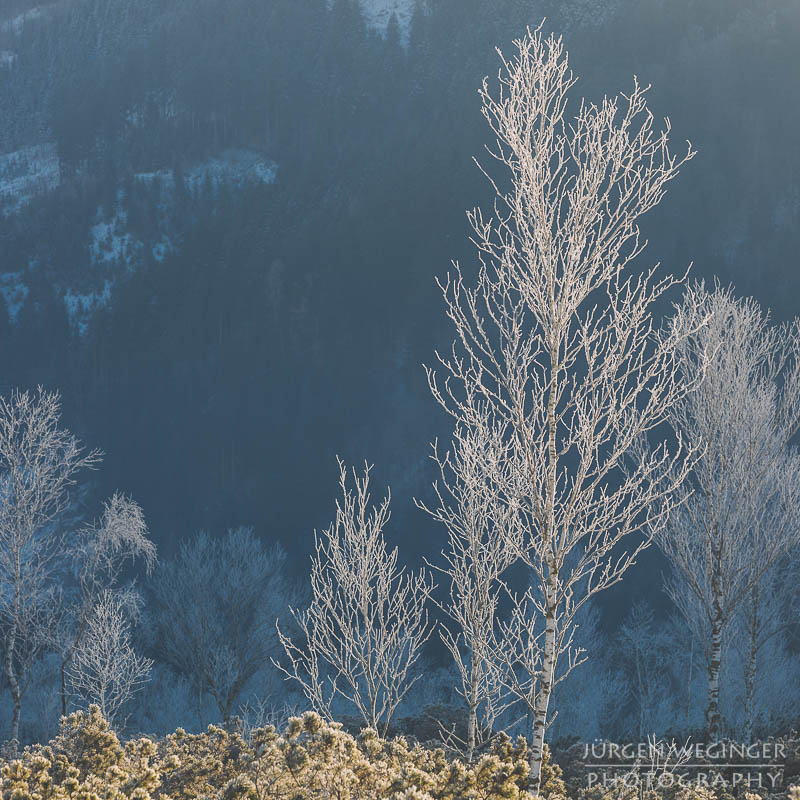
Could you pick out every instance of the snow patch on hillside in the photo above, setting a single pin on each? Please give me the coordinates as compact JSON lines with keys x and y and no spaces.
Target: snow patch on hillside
{"x":27,"y":173}
{"x":14,"y":292}
{"x":574,"y":14}
{"x":378,"y":12}
{"x":163,"y":175}
{"x":80,"y":306}
{"x":110,"y":243}
{"x":111,"y":248}
{"x":160,"y":249}
{"x":591,"y":14}
{"x":236,"y":167}
{"x":233,"y":167}
{"x":16,"y":24}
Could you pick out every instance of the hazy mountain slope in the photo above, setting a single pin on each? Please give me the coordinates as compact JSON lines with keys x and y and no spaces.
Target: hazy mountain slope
{"x":378,"y":12}
{"x":239,"y":334}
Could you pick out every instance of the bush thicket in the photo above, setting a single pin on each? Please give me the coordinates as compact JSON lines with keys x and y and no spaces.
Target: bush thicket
{"x":310,"y":759}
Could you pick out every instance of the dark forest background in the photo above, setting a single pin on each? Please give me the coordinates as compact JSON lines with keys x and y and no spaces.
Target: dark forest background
{"x":248,"y":330}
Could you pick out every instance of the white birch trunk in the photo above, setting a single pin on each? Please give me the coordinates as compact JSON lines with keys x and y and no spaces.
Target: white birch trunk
{"x":549,"y":658}
{"x":16,"y":689}
{"x":750,"y":669}
{"x":472,"y":703}
{"x":714,"y":664}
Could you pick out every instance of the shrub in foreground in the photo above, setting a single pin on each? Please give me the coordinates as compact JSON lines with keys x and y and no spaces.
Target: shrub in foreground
{"x":310,"y":759}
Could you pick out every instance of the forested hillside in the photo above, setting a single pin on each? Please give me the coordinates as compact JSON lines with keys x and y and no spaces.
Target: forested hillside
{"x":222,"y":222}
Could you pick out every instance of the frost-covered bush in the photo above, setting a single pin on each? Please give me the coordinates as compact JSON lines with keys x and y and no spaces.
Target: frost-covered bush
{"x":311,"y":759}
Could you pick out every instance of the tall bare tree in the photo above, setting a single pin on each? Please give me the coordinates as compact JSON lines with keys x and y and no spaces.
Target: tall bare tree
{"x":742,"y":516}
{"x":99,"y":552}
{"x":367,"y":622}
{"x":479,"y":518}
{"x":555,"y":342}
{"x":104,"y":667}
{"x":38,"y":464}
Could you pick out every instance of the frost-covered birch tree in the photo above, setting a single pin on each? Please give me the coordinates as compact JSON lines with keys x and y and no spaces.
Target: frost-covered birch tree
{"x":104,"y":667}
{"x":741,"y":517}
{"x":38,"y":464}
{"x":99,"y":552}
{"x":555,"y":342}
{"x":479,"y":520}
{"x":367,"y":620}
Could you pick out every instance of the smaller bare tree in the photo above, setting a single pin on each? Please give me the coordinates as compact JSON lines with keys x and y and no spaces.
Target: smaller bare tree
{"x":212,"y":608}
{"x":366,"y":623}
{"x":38,"y":464}
{"x":741,"y":518}
{"x":104,"y":667}
{"x":99,"y":552}
{"x":480,"y":521}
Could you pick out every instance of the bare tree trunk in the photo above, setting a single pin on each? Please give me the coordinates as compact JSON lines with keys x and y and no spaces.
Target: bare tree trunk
{"x":16,"y":690}
{"x":689,"y":683}
{"x":472,"y":721}
{"x":750,"y":669}
{"x":712,"y":712}
{"x":749,"y":697}
{"x":640,"y":681}
{"x":221,"y":706}
{"x":65,"y":662}
{"x":549,"y":656}
{"x":550,"y":653}
{"x":16,"y":696}
{"x":226,"y":712}
{"x":63,"y":688}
